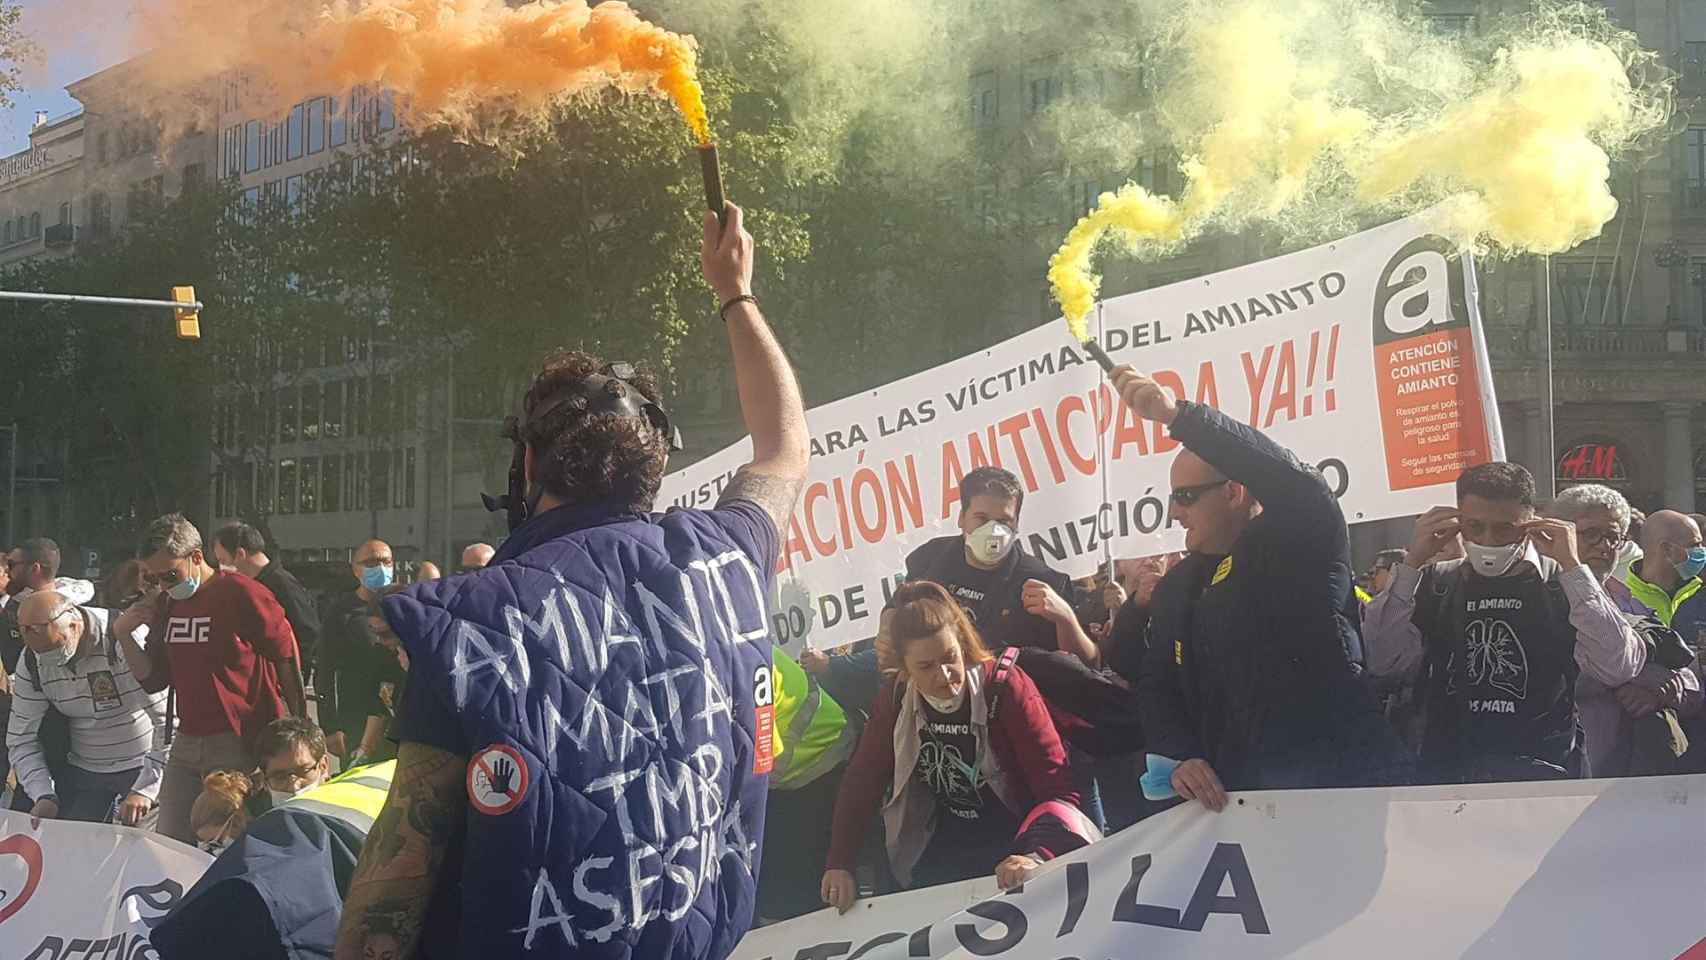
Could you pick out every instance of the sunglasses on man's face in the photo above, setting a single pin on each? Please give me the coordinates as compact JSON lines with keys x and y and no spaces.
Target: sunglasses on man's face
{"x":1186,"y":496}
{"x":170,"y":578}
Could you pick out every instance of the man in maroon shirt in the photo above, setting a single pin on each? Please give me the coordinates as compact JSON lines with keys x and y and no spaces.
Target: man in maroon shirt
{"x":222,"y":642}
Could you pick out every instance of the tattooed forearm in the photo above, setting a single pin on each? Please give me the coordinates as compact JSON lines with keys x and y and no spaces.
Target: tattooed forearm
{"x":401,"y":859}
{"x":776,"y":495}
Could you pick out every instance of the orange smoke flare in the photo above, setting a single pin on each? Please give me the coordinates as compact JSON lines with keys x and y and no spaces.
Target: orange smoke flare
{"x":449,"y":61}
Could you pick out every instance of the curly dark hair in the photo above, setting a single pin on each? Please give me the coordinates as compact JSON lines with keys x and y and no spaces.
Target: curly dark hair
{"x":588,"y":459}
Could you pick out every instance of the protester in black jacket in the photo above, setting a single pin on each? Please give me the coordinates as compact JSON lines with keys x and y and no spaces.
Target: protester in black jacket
{"x":1250,"y":680}
{"x":1012,"y":597}
{"x":238,"y":546}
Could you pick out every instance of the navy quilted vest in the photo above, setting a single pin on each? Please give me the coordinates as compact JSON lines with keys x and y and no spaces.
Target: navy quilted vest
{"x":603,"y":676}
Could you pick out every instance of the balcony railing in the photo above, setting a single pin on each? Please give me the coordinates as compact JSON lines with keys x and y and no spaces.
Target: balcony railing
{"x":59,"y":235}
{"x":1597,"y":341}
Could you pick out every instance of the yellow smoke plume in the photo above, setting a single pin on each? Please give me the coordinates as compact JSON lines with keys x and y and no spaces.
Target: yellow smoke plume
{"x":448,"y":61}
{"x":1280,"y":110}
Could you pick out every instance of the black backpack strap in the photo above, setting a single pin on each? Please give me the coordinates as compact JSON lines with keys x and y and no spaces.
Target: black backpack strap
{"x":997,"y":677}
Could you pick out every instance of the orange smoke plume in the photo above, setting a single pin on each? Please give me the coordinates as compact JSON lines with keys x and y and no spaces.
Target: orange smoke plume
{"x":448,"y":61}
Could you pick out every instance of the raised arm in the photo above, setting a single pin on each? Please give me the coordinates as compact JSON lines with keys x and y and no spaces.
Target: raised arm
{"x":769,"y":395}
{"x":1287,"y":489}
{"x":404,"y":852}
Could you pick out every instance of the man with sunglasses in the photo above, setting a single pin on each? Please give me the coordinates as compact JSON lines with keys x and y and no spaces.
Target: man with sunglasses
{"x":1249,"y":680}
{"x":117,"y":730}
{"x":221,"y":641}
{"x":1499,"y":639}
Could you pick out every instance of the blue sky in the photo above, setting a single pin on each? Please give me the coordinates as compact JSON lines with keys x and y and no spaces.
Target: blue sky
{"x":77,"y":38}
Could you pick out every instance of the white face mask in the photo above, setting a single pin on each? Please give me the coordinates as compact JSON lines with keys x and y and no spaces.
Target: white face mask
{"x":990,"y":543}
{"x":949,"y":705}
{"x":1494,"y":561}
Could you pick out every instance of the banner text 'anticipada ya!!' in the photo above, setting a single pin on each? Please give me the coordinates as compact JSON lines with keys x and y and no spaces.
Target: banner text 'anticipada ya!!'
{"x":1364,"y":356}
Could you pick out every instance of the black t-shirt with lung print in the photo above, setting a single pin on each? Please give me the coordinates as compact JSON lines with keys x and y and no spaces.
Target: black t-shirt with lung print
{"x":1501,"y":675}
{"x":974,"y":829}
{"x":993,"y":599}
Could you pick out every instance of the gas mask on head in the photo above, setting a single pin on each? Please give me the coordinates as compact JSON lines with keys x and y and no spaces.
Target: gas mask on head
{"x":607,"y":393}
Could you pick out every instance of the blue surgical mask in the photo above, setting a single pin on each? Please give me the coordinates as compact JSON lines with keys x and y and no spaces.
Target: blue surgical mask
{"x":1157,"y":779}
{"x":1692,"y":563}
{"x":377,"y":578}
{"x":184,"y":589}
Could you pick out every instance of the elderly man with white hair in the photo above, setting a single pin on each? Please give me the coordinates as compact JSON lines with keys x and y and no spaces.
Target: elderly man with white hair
{"x":118,"y":730}
{"x":1629,"y":730}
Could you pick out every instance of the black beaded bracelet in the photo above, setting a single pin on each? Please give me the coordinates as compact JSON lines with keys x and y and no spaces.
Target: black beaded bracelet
{"x":743,"y":298}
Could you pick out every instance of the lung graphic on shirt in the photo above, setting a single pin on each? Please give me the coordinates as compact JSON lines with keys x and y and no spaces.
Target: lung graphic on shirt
{"x":947,"y":773}
{"x":1494,"y":657}
{"x":189,"y":629}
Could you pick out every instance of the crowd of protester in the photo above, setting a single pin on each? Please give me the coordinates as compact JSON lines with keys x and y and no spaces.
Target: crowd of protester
{"x":1001,"y":716}
{"x":164,"y":696}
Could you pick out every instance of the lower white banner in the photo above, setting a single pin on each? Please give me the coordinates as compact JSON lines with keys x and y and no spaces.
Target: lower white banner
{"x":82,"y":891}
{"x":1588,"y":868}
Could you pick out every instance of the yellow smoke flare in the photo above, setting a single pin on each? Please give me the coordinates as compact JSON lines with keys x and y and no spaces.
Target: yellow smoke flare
{"x":1303,"y":111}
{"x":449,"y":61}
{"x":1521,"y":158}
{"x":1134,"y":215}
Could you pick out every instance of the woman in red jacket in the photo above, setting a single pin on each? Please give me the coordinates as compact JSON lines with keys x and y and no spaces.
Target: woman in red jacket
{"x":979,"y":777}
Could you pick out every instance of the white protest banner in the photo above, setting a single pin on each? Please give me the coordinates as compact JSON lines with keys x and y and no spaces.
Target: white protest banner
{"x":1365,"y":357}
{"x":1573,"y":869}
{"x":78,"y":891}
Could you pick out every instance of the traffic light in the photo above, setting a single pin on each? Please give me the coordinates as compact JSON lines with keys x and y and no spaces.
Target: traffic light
{"x":188,"y":317}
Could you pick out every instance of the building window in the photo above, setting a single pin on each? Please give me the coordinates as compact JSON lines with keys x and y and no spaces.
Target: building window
{"x":355,"y":480}
{"x":1452,"y":24}
{"x":310,"y":484}
{"x":985,"y":99}
{"x":310,"y":411}
{"x":1694,"y":60}
{"x":387,"y":111}
{"x":101,"y":148}
{"x":35,"y":225}
{"x":332,"y":422}
{"x":264,"y":485}
{"x":316,"y":125}
{"x":287,"y":415}
{"x":294,"y":133}
{"x":100,"y":214}
{"x":1159,"y":174}
{"x":379,"y":479}
{"x":287,"y":484}
{"x":339,"y":121}
{"x":357,"y":407}
{"x":251,"y":146}
{"x":1044,"y":91}
{"x":6,"y":233}
{"x":293,"y":194}
{"x":65,"y":214}
{"x":1587,"y":292}
{"x":1694,"y":168}
{"x":380,"y":406}
{"x":331,"y":477}
{"x":409,"y":477}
